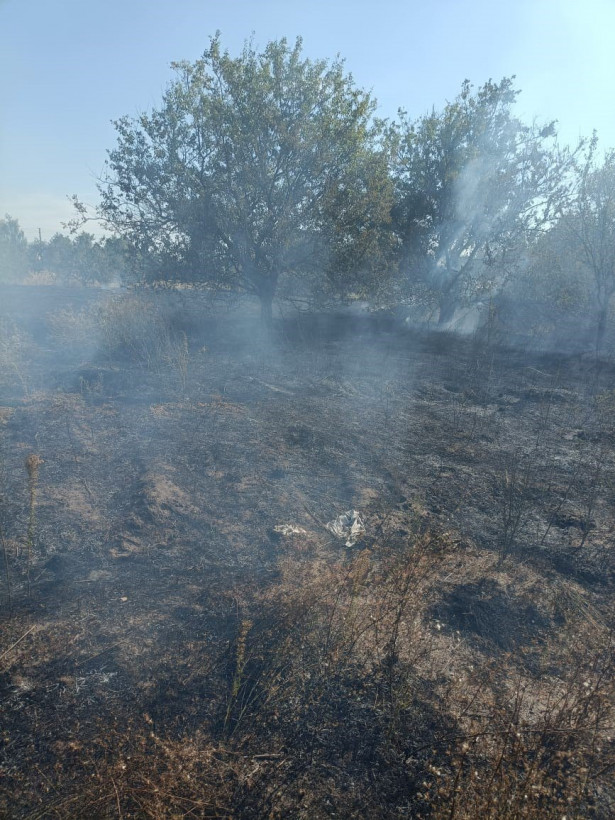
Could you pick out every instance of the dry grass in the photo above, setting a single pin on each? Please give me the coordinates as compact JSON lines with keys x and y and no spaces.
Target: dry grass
{"x":341,"y":699}
{"x":183,"y":655}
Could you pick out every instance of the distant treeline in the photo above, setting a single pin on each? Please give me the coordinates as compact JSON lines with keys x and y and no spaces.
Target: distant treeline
{"x":63,"y":259}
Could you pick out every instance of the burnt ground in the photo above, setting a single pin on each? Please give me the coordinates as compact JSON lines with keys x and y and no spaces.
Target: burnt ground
{"x":166,"y":652}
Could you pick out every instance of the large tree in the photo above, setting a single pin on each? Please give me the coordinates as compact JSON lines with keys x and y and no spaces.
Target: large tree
{"x":472,"y":181}
{"x":253,"y":169}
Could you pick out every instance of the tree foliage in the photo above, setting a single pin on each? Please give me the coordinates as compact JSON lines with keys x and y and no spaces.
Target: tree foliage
{"x":254,"y":169}
{"x":472,"y":182}
{"x":588,"y":227}
{"x":81,"y":258}
{"x":268,"y":173}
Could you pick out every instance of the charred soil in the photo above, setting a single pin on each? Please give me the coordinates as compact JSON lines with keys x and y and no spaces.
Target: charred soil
{"x":169,"y":648}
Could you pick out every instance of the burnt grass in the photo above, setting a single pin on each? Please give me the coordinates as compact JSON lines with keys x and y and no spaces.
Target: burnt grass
{"x":165,"y":651}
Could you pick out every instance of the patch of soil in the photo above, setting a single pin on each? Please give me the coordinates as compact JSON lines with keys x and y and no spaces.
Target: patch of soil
{"x":487,"y":615}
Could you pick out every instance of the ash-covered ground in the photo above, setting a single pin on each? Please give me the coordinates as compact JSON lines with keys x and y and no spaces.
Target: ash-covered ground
{"x":168,"y":651}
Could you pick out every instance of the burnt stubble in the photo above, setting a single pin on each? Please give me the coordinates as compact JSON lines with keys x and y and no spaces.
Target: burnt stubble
{"x":166,"y":652}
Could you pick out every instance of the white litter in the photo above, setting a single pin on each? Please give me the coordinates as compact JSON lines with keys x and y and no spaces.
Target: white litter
{"x":349,"y":525}
{"x":289,"y":529}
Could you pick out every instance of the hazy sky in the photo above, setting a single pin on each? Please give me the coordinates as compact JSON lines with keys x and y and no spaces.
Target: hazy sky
{"x":69,"y":67}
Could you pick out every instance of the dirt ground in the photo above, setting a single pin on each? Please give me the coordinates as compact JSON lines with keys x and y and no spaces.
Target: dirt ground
{"x":167,"y":651}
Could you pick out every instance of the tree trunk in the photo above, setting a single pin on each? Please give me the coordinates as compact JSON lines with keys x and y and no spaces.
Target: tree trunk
{"x":449,"y":292}
{"x":266,"y":291}
{"x":266,"y":300}
{"x":447,"y":306}
{"x":601,"y":328}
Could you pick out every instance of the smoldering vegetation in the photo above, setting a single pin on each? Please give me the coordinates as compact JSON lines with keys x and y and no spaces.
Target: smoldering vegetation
{"x":314,"y":516}
{"x":183,"y":636}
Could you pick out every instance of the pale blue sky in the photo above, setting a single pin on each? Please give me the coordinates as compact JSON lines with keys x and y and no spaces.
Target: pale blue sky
{"x":68,"y":67}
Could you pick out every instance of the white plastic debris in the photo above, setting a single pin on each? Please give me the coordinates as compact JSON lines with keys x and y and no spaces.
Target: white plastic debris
{"x":289,"y":529}
{"x":348,"y":525}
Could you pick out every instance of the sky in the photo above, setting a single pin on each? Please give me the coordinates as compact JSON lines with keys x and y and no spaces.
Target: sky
{"x":68,"y":68}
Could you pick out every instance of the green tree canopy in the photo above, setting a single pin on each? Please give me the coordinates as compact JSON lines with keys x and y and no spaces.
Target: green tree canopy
{"x":472,"y":180}
{"x":254,"y":169}
{"x":81,"y":258}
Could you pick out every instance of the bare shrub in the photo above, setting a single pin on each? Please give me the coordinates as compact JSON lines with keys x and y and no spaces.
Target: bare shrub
{"x":133,"y":326}
{"x":33,"y":463}
{"x":74,"y":329}
{"x":16,"y":349}
{"x":512,"y":484}
{"x":177,"y":357}
{"x":536,"y":752}
{"x":328,"y":667}
{"x":138,"y":328}
{"x":334,"y":706}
